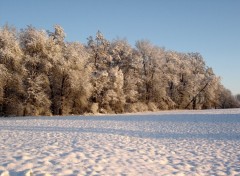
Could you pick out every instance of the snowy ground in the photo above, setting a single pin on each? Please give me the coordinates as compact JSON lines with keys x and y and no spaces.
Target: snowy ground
{"x":164,"y":143}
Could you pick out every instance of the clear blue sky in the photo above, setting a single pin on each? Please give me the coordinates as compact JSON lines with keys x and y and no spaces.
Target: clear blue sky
{"x":210,"y":27}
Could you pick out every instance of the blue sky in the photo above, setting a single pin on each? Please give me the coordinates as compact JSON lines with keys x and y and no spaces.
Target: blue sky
{"x":210,"y":27}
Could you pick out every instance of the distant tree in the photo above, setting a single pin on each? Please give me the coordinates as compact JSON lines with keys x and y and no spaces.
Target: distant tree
{"x":238,"y":97}
{"x":226,"y":99}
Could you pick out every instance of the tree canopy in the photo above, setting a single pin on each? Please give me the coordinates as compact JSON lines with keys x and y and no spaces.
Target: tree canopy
{"x":42,"y":74}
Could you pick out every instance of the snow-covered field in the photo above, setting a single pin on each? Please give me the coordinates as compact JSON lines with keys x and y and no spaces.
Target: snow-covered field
{"x":163,"y":143}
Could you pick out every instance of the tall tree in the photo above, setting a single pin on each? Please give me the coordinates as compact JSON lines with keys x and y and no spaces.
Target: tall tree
{"x":12,"y":71}
{"x":34,"y":45}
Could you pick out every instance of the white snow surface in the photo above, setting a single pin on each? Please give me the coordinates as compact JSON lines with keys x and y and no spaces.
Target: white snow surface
{"x":203,"y":142}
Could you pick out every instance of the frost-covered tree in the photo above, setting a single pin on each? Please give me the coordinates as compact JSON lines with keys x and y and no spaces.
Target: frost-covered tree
{"x":148,"y":68}
{"x":127,"y":61}
{"x":114,"y":98}
{"x":12,"y":72}
{"x":3,"y":82}
{"x":35,"y":48}
{"x":58,"y":35}
{"x":98,"y":49}
{"x":154,"y":79}
{"x":197,"y":81}
{"x":107,"y":79}
{"x":227,"y":100}
{"x":68,"y":76}
{"x":80,"y":89}
{"x":99,"y":52}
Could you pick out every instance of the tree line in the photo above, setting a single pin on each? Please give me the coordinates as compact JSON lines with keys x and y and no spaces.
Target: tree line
{"x":42,"y":74}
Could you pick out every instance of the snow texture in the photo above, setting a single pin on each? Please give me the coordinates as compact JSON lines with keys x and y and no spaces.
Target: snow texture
{"x":164,"y":143}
